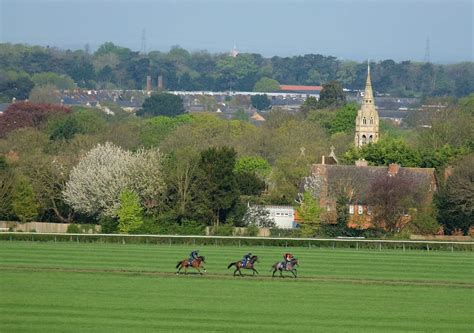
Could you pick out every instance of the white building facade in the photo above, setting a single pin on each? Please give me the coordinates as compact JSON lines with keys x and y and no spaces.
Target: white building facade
{"x":283,"y":216}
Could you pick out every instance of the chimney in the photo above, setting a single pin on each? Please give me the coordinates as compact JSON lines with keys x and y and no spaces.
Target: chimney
{"x":160,"y":82}
{"x":393,"y":169}
{"x":361,"y":163}
{"x":148,"y":83}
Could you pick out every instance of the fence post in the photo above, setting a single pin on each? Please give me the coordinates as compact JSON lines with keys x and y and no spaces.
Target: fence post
{"x":403,"y":247}
{"x":452,"y":247}
{"x":380,"y":246}
{"x":357,"y":245}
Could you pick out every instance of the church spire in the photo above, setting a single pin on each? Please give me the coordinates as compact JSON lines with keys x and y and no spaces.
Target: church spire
{"x":368,"y":93}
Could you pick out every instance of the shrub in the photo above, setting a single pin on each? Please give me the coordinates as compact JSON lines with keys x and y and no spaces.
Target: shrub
{"x":73,"y":229}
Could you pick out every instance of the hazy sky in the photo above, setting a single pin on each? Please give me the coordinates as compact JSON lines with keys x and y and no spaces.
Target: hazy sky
{"x":357,"y":29}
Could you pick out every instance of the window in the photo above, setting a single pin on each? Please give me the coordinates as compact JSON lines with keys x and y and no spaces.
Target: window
{"x":364,"y":121}
{"x":351,"y":209}
{"x":364,"y":139}
{"x":371,"y":121}
{"x":360,"y":209}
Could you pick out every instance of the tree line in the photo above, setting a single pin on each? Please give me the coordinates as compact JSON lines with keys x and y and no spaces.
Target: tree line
{"x":163,"y":171}
{"x":24,"y":67}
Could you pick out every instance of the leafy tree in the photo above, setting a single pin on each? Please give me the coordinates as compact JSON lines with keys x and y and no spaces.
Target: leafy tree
{"x":65,"y":129}
{"x":455,"y":200}
{"x":45,"y":94}
{"x":331,"y":95}
{"x":62,"y":82}
{"x":249,"y":183}
{"x":266,"y":84}
{"x":392,"y":198}
{"x":217,"y":185}
{"x":384,"y":152}
{"x":248,"y":164}
{"x":19,"y":88}
{"x":310,"y":212}
{"x":129,"y":213}
{"x":6,"y":189}
{"x":162,"y":104}
{"x":310,"y":103}
{"x":156,"y":129}
{"x":24,"y":203}
{"x":95,"y":184}
{"x":344,"y":119}
{"x":260,"y":102}
{"x":25,"y":114}
{"x":258,"y":216}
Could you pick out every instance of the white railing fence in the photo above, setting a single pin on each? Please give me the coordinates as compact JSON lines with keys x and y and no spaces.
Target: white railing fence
{"x":356,"y":243}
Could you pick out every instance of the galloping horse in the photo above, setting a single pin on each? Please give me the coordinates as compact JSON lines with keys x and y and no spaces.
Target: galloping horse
{"x":196,"y":263}
{"x":249,"y":265}
{"x":290,"y":267}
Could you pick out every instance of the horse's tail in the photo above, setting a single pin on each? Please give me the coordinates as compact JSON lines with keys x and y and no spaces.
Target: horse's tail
{"x":273,"y":267}
{"x":231,"y":264}
{"x":179,"y":264}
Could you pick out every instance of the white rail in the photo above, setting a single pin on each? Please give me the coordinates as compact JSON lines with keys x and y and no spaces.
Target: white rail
{"x":299,"y":239}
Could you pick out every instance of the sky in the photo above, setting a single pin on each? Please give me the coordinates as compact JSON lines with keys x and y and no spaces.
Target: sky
{"x":347,"y":29}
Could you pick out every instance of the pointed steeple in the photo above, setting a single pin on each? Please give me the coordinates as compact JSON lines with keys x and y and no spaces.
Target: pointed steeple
{"x":368,"y":93}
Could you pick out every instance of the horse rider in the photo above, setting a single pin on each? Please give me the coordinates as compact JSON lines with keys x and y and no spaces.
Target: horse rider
{"x":246,"y":259}
{"x":287,"y":258}
{"x":193,"y":256}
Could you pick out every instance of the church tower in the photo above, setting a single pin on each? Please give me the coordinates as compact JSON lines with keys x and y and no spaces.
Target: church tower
{"x":367,"y":121}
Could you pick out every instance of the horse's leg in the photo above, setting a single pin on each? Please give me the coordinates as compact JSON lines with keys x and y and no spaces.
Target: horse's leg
{"x":292,"y":272}
{"x":254,"y":271}
{"x":179,"y":268}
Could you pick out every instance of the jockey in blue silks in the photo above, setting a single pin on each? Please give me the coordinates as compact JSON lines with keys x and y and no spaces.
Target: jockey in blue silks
{"x":193,"y":256}
{"x":245,"y":259}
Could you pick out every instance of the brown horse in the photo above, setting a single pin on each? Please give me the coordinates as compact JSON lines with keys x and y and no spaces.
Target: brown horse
{"x":289,"y":267}
{"x":238,"y":265}
{"x":196,"y":263}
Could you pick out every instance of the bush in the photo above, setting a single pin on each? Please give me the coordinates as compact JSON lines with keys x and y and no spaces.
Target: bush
{"x":73,"y":229}
{"x":108,"y":225}
{"x":223,"y":230}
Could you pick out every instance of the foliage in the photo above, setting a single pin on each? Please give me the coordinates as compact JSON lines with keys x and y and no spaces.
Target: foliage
{"x":217,"y":184}
{"x":455,"y":200}
{"x":249,"y":183}
{"x":250,"y":164}
{"x":24,"y":114}
{"x":344,"y":119}
{"x":95,"y":184}
{"x":24,"y":203}
{"x":340,"y":228}
{"x":44,"y":94}
{"x":162,"y":104}
{"x":108,"y":225}
{"x":65,"y":129}
{"x":130,"y":212}
{"x":62,"y":82}
{"x":260,"y":102}
{"x":385,"y":152}
{"x":266,"y":84}
{"x":424,"y":221}
{"x":331,"y":95}
{"x":310,"y":213}
{"x":258,"y":216}
{"x":156,"y":129}
{"x":6,"y":189}
{"x":310,"y":103}
{"x":391,"y":198}
{"x":241,"y":115}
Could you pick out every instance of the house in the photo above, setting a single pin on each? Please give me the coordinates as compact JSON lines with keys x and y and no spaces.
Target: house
{"x":356,"y":183}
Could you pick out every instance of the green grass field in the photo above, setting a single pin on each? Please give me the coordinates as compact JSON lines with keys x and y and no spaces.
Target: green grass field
{"x":48,"y":287}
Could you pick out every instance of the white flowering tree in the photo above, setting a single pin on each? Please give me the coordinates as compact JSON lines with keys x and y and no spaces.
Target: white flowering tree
{"x":258,"y":216}
{"x":95,"y":184}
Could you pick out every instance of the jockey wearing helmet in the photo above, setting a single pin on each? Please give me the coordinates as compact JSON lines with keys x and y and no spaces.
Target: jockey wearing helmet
{"x":246,"y":259}
{"x":193,"y":256}
{"x":287,"y":258}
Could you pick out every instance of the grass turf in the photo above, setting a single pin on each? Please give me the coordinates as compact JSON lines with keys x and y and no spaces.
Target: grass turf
{"x":111,"y":287}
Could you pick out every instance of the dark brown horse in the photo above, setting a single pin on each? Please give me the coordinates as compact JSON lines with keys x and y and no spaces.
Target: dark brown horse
{"x":196,"y":263}
{"x":289,"y":267}
{"x":239,"y":265}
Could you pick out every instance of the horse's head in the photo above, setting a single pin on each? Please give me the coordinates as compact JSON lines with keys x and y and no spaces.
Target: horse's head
{"x":294,"y":261}
{"x":202,"y":258}
{"x":253,"y":259}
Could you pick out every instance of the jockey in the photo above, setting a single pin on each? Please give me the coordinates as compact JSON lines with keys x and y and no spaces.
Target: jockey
{"x":287,"y":258}
{"x":246,"y":259}
{"x":193,"y":256}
